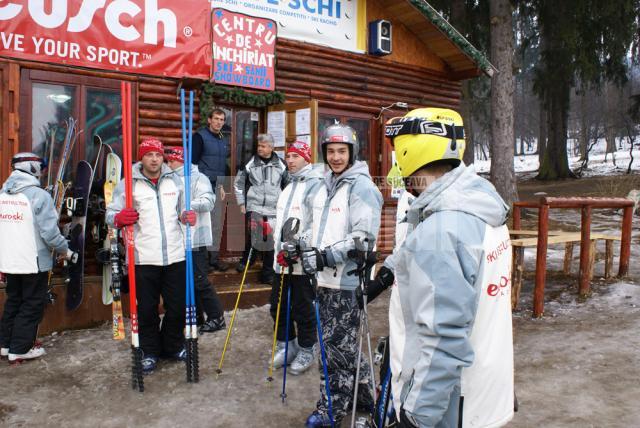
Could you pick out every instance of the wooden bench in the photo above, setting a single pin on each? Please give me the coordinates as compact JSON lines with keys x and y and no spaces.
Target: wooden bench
{"x":557,"y":237}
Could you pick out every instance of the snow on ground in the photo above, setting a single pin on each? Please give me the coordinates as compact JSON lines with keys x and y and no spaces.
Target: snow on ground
{"x":597,"y":166}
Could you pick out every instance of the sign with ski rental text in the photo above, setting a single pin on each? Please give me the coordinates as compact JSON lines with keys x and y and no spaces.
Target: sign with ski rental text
{"x":154,"y":37}
{"x":244,"y":50}
{"x":338,"y":24}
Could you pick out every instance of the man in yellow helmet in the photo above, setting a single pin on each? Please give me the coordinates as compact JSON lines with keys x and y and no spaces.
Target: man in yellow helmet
{"x":451,"y":344}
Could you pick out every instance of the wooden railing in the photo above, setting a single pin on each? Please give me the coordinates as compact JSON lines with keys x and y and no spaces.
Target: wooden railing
{"x":586,"y":205}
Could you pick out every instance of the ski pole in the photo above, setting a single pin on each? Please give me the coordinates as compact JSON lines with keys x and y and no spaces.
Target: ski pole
{"x":136,"y":352}
{"x":235,"y":310}
{"x":191,"y":334}
{"x":286,"y":343}
{"x":275,"y":330}
{"x":323,"y":355}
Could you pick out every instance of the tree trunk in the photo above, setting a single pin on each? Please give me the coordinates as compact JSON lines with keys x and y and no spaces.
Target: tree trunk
{"x":542,"y":132}
{"x":583,"y":137}
{"x":555,"y":162}
{"x":465,"y":111}
{"x":502,"y":85}
{"x":610,"y":138}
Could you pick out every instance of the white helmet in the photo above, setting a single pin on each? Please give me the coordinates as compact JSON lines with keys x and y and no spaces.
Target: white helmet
{"x":29,"y":163}
{"x":340,"y":133}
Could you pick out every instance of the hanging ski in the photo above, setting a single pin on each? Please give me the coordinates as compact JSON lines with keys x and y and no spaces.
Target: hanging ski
{"x":136,"y":352}
{"x":191,"y":328}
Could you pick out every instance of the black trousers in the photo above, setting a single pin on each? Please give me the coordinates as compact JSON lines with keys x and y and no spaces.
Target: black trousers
{"x":151,"y":283}
{"x":302,"y":311}
{"x":260,"y":244}
{"x":23,"y":311}
{"x":206,"y":297}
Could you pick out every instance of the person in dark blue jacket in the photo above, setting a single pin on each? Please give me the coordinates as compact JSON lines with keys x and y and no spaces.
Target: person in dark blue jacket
{"x":210,"y":153}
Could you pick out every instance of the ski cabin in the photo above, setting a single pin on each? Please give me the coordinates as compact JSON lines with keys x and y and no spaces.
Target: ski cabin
{"x":287,"y":68}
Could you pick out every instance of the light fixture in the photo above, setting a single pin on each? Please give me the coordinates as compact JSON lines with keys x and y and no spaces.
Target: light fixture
{"x":400,"y":104}
{"x":59,"y":98}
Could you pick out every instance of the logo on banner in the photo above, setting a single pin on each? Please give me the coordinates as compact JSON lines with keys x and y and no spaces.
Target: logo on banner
{"x":244,"y":50}
{"x":135,"y":36}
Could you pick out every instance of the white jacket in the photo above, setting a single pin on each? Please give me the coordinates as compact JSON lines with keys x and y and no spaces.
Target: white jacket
{"x":290,"y":204}
{"x":202,"y":202}
{"x":347,"y":207}
{"x":28,"y":226}
{"x":158,"y":235}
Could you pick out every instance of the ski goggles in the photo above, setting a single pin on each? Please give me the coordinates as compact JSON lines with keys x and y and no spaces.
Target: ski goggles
{"x":416,"y":125}
{"x":43,"y":162}
{"x":174,"y":154}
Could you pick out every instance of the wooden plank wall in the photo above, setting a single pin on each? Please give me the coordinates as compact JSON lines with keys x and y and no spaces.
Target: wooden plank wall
{"x":358,"y":83}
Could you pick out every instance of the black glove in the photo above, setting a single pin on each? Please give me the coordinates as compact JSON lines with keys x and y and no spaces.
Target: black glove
{"x":406,"y":421}
{"x":313,"y":260}
{"x":373,"y":288}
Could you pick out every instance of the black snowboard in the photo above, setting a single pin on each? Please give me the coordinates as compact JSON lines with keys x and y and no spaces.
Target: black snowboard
{"x":77,"y":228}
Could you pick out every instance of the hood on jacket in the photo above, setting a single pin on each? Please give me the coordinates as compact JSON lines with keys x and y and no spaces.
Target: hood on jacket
{"x":306,"y":173}
{"x":332,"y":181}
{"x":18,"y":181}
{"x":137,"y":171}
{"x":461,"y":189}
{"x":180,"y":171}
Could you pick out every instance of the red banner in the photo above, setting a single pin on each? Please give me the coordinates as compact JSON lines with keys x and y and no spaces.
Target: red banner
{"x":156,"y":37}
{"x":244,"y":50}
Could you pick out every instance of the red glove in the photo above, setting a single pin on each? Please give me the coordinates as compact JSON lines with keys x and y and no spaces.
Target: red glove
{"x":126,"y":217}
{"x":282,"y":261}
{"x":266,"y":229}
{"x":188,"y":217}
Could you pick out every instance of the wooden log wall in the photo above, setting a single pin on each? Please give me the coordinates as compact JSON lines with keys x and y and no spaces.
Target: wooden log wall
{"x":360,"y":83}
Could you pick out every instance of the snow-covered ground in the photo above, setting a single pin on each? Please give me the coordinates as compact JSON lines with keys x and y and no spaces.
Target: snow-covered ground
{"x":528,"y":163}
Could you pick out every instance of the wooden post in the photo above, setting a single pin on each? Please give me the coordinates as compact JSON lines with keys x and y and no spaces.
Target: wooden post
{"x":541,"y":260}
{"x":625,"y":241}
{"x":585,"y":247}
{"x":608,"y":258}
{"x":517,"y":276}
{"x":517,"y":218}
{"x":592,"y":260}
{"x":568,"y":257}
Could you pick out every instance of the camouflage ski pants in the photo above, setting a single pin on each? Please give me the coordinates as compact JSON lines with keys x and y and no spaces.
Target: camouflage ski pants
{"x":340,"y":319}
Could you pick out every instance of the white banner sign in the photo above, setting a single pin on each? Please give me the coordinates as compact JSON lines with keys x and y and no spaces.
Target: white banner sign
{"x":339,"y":24}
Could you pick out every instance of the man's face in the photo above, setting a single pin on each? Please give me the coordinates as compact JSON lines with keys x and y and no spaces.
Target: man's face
{"x":152,"y":163}
{"x":264,"y":149}
{"x":295,"y":162}
{"x":338,"y":157}
{"x":216,"y":122}
{"x":174,"y":164}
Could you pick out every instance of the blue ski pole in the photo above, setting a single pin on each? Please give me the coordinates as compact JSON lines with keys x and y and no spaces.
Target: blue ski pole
{"x":286,"y":343}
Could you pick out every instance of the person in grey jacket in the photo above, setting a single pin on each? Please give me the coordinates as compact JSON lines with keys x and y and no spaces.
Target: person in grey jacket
{"x":29,"y":231}
{"x":451,"y":342}
{"x":202,"y":201}
{"x":343,"y":212}
{"x":257,"y":187}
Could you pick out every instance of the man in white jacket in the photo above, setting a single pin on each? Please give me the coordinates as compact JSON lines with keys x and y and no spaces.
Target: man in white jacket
{"x":344,"y":211}
{"x":451,"y":345}
{"x":159,"y":257}
{"x":304,"y":181}
{"x":202,"y":202}
{"x":28,"y":233}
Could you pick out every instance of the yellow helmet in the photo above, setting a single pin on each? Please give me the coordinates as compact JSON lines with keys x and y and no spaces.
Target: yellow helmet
{"x":426,"y":135}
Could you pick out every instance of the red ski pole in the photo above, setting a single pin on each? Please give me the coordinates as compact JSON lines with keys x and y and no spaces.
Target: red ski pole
{"x":136,"y":352}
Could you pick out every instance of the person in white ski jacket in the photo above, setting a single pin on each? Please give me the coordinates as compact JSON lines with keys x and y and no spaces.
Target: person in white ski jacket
{"x":451,"y":344}
{"x":159,"y":251}
{"x":28,"y":234}
{"x":202,"y":202}
{"x":305,"y":180}
{"x":339,"y":215}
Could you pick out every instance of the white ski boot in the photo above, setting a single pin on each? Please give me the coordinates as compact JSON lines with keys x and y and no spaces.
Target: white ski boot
{"x":35,"y":352}
{"x":278,"y":359}
{"x":303,"y":360}
{"x":4,"y":353}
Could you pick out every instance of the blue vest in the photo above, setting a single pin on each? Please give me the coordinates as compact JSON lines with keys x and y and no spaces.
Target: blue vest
{"x":215,"y":153}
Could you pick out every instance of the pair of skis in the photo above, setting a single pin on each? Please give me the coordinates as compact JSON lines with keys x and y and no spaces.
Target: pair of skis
{"x":191,"y":328}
